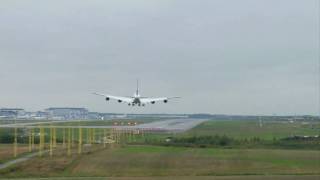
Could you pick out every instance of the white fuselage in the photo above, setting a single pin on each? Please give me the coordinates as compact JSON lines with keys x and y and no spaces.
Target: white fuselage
{"x":136,"y":99}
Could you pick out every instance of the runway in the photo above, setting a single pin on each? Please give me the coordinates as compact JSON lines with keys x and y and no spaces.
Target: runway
{"x":25,"y":125}
{"x":172,"y":125}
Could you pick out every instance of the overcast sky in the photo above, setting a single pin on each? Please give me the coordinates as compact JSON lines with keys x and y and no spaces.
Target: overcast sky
{"x":221,"y":56}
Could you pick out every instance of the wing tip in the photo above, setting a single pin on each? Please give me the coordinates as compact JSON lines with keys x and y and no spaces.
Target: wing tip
{"x":97,"y":94}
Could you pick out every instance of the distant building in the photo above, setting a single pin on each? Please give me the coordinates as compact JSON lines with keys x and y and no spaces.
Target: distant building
{"x":39,"y":115}
{"x":11,"y":112}
{"x":67,"y":113}
{"x":94,"y":115}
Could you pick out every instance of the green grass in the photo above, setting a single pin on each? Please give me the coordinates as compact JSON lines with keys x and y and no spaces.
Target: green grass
{"x":252,"y":177}
{"x":248,"y":129}
{"x":136,"y":161}
{"x":279,"y":157}
{"x":6,"y":152}
{"x":234,"y":129}
{"x":196,"y":163}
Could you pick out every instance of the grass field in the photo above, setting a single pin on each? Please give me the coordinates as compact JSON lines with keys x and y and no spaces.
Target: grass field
{"x":6,"y":151}
{"x":169,"y":162}
{"x":133,"y":161}
{"x":247,"y":129}
{"x":253,"y":177}
{"x":236,"y":128}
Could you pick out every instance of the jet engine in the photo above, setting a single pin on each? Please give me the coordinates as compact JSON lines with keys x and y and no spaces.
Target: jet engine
{"x":107,"y":98}
{"x":119,"y":101}
{"x":165,"y":101}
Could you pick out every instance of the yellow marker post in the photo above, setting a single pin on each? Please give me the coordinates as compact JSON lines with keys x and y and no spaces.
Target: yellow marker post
{"x":64,"y":138}
{"x":104,"y":137}
{"x":72,"y":136}
{"x":129,"y":135}
{"x":111,"y":134}
{"x":114,"y":135}
{"x":51,"y":142}
{"x":100,"y":136}
{"x":126,"y":135}
{"x":39,"y":145}
{"x":30,"y":140}
{"x":90,"y":136}
{"x":80,"y":141}
{"x":54,"y":138}
{"x":33,"y":138}
{"x":134,"y":135}
{"x":69,"y":142}
{"x":41,"y":141}
{"x":88,"y":139}
{"x":93,"y":136}
{"x":118,"y":136}
{"x":15,"y":143}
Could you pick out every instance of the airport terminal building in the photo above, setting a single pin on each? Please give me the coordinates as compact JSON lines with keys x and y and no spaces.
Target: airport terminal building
{"x":65,"y":113}
{"x":11,"y":112}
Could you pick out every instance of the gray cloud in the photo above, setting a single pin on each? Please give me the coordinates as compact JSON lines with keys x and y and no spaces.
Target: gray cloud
{"x":236,"y":57}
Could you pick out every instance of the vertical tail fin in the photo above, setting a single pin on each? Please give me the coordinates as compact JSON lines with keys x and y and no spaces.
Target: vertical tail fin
{"x":137,"y":92}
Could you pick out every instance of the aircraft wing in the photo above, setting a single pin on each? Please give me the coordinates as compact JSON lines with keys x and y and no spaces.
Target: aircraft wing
{"x":153,"y":100}
{"x":118,"y":98}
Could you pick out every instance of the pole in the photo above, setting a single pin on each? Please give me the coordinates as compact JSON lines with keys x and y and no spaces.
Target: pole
{"x":88,"y":139}
{"x":30,"y":140}
{"x":41,"y":139}
{"x":69,"y":142}
{"x":93,"y":136}
{"x":51,"y":141}
{"x":72,"y":136}
{"x":54,"y":138}
{"x":15,"y":143}
{"x":104,"y":138}
{"x":64,"y":138}
{"x":80,"y":141}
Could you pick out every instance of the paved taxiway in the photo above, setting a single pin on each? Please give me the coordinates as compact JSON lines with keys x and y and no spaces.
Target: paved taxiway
{"x":172,"y":125}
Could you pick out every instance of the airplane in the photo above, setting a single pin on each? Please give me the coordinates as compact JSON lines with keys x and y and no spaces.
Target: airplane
{"x":136,"y":99}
